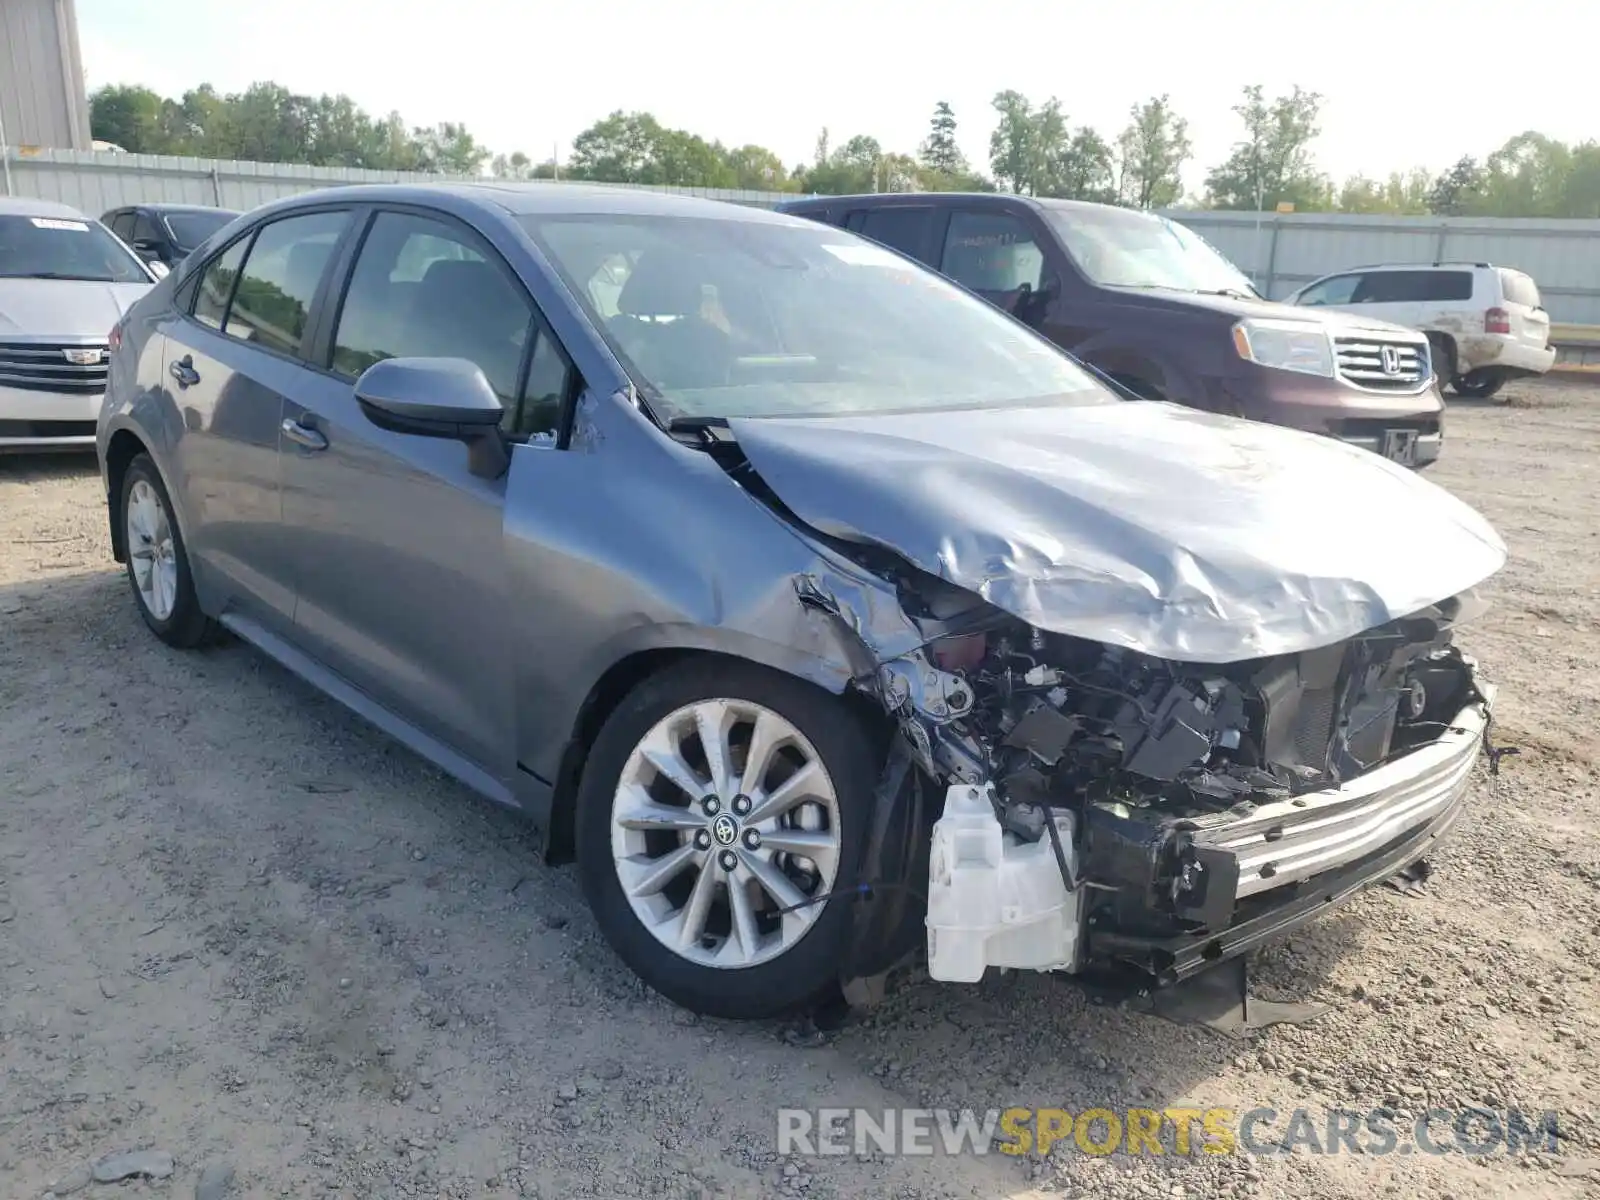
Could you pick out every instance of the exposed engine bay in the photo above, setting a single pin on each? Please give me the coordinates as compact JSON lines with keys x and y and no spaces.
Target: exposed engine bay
{"x":1119,"y":762}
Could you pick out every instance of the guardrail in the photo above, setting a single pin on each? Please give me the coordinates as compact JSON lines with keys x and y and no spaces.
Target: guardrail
{"x":1577,"y":347}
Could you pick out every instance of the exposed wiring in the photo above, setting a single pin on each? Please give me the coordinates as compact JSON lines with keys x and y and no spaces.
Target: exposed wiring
{"x":860,"y":891}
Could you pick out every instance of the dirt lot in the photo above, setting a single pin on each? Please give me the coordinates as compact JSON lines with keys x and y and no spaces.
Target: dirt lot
{"x":241,"y":927}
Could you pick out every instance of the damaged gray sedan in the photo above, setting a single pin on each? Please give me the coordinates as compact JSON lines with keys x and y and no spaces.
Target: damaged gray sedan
{"x":825,"y":614}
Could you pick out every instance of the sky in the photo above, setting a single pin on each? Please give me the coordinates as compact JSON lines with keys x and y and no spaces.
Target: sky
{"x":1406,"y":83}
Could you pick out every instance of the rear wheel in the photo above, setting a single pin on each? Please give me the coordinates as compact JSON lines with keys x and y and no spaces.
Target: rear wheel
{"x":720,"y":804}
{"x":1479,"y":387}
{"x":158,"y":563}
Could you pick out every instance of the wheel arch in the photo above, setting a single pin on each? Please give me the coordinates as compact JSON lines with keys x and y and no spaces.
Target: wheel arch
{"x":618,"y":681}
{"x":121,"y":449}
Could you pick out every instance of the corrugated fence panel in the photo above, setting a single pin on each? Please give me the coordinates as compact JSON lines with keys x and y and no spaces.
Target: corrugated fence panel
{"x":1281,"y":251}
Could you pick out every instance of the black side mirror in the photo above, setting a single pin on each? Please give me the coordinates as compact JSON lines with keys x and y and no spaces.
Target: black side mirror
{"x":438,"y":398}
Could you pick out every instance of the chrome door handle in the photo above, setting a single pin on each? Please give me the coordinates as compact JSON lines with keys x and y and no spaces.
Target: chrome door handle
{"x":183,"y":371}
{"x":309,"y":439}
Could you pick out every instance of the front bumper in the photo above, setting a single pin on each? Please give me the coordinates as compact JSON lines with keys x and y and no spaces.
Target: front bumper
{"x":1404,"y":426}
{"x":32,"y":420}
{"x":1302,"y":858}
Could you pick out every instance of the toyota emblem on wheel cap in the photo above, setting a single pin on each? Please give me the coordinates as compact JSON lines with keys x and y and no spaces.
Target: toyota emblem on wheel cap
{"x":725,"y":829}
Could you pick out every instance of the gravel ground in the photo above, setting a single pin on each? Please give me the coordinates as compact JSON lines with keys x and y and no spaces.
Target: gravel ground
{"x":240,"y":927}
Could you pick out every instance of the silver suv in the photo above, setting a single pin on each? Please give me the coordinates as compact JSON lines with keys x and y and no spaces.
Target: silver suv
{"x":65,"y":280}
{"x":1486,"y":324}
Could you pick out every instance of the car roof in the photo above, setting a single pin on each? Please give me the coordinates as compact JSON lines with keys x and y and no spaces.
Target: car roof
{"x":29,"y":206}
{"x":529,"y":199}
{"x":996,"y":199}
{"x":179,"y":208}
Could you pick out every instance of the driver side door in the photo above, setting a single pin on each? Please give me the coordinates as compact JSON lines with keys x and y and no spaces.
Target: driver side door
{"x":399,"y":550}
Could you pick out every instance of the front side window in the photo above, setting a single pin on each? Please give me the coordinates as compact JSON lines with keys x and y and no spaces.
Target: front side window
{"x":421,"y":289}
{"x":1117,"y":247}
{"x":724,"y":316}
{"x":1337,"y":290}
{"x":280,"y":277}
{"x":992,"y":252}
{"x":49,"y":247}
{"x":216,"y":286}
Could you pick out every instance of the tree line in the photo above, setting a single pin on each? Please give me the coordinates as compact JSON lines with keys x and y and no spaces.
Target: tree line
{"x":1035,"y":149}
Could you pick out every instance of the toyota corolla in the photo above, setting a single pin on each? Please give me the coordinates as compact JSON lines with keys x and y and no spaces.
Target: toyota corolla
{"x":824,"y":614}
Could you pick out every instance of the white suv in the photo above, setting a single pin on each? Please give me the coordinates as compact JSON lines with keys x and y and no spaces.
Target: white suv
{"x":1486,"y":323}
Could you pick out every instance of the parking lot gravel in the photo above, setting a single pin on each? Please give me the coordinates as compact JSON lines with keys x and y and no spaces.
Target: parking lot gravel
{"x":245,"y":934}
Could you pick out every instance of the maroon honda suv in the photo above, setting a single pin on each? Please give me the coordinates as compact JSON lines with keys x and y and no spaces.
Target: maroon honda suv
{"x":1149,"y":303}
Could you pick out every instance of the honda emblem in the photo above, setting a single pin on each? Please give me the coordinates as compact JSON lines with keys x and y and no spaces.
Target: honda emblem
{"x":1390,"y":358}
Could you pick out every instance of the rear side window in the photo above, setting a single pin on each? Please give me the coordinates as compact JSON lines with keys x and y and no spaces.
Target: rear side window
{"x":1520,"y":289}
{"x":1410,"y":287}
{"x":280,"y":277}
{"x":1446,"y":285}
{"x":900,"y":228}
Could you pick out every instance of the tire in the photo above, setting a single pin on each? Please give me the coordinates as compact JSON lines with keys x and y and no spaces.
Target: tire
{"x":1444,"y":360}
{"x":767,"y":965}
{"x":1478,"y":389}
{"x":170,"y":607}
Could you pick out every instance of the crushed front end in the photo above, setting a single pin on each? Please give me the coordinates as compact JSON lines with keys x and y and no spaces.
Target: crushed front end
{"x":1102,"y":806}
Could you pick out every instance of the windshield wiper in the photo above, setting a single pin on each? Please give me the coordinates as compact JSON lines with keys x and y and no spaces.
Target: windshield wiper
{"x":1234,"y":293}
{"x":59,"y":275}
{"x":702,"y":429}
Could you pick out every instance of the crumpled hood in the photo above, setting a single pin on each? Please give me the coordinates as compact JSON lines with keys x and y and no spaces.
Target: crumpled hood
{"x":66,"y":308}
{"x":1181,"y":534}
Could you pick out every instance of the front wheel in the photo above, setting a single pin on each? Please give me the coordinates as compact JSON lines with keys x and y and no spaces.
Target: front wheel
{"x":720,"y":806}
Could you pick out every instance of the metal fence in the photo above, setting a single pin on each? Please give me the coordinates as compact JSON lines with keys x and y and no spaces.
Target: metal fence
{"x":96,"y":181}
{"x":1280,"y":250}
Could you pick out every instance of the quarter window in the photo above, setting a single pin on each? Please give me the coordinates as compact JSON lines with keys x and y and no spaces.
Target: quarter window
{"x":216,"y":285}
{"x":421,"y":289}
{"x":280,"y":278}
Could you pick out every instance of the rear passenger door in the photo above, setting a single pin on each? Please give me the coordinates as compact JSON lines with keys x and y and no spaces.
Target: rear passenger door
{"x":399,"y":551}
{"x":229,"y":361}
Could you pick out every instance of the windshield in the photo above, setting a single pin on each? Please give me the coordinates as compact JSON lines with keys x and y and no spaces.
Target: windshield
{"x":1122,"y":248}
{"x":188,"y":230}
{"x":723,"y":317}
{"x":64,"y":248}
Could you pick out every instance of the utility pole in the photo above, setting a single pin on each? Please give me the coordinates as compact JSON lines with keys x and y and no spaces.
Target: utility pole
{"x":555,"y":161}
{"x":5,"y":150}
